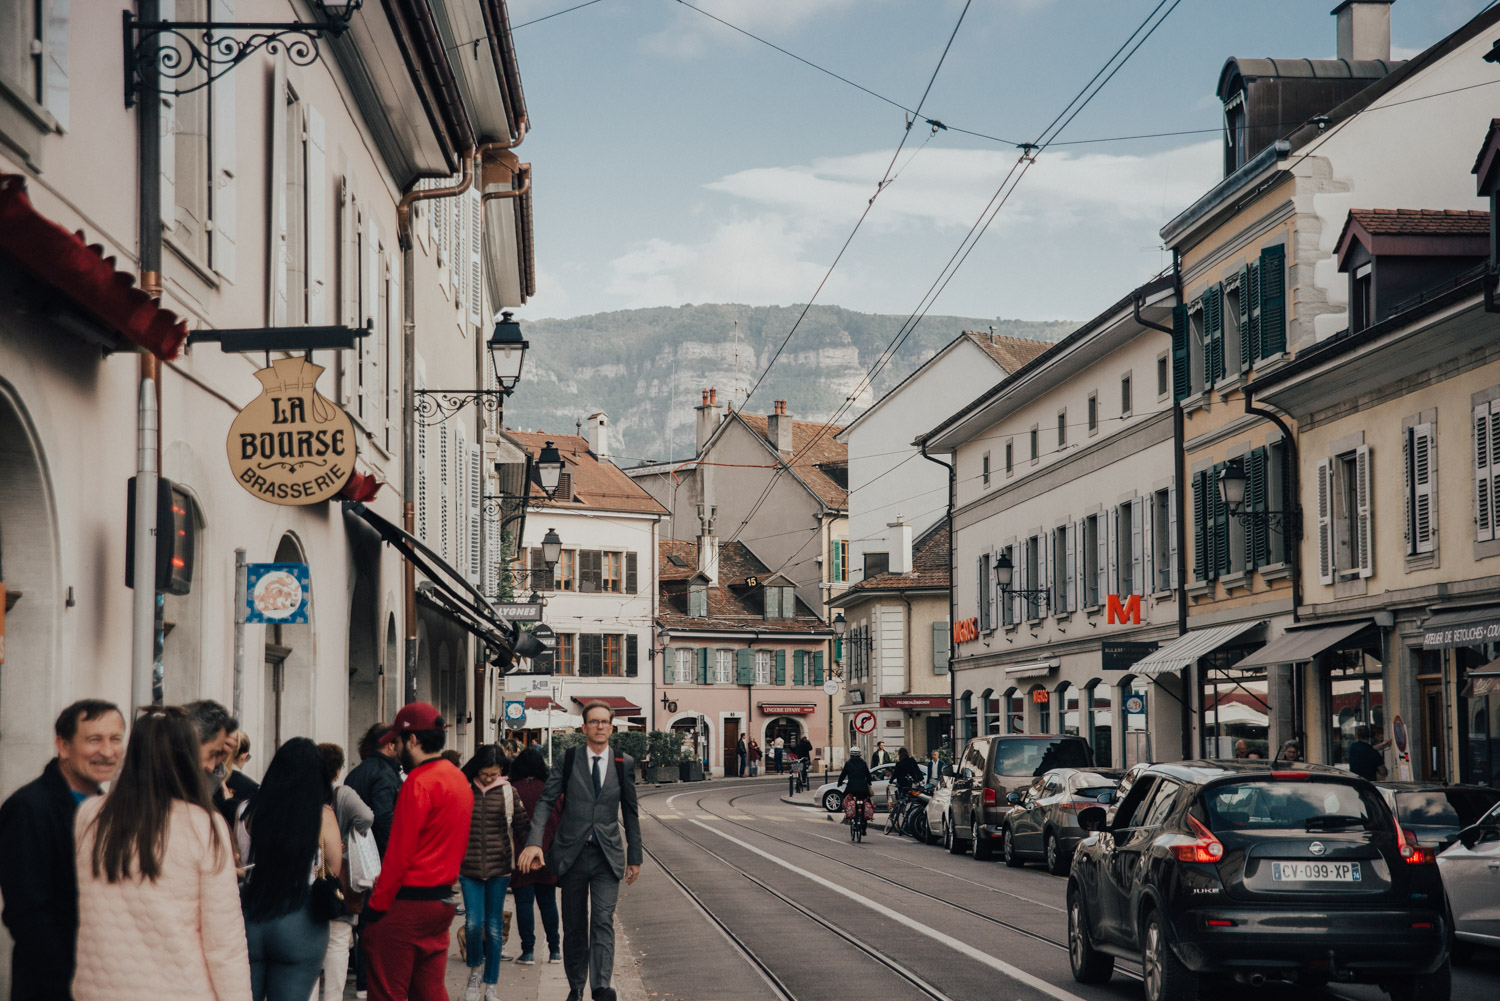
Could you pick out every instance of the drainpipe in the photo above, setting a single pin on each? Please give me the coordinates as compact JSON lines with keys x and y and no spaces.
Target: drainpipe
{"x":403,"y":208}
{"x":952,"y":612}
{"x":524,"y":171}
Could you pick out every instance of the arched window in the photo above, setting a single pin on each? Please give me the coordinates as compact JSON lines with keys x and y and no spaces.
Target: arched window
{"x":1101,"y":723}
{"x":1133,"y":696}
{"x":1041,"y":702}
{"x":1068,"y":716}
{"x":1015,"y":711}
{"x":966,"y":716}
{"x":989,"y":706}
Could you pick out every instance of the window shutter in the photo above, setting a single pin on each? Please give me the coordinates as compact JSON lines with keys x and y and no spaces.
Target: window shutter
{"x":476,"y":233}
{"x":1182,"y":379}
{"x":1325,"y":521}
{"x":799,"y":667}
{"x":1257,"y":533}
{"x":541,"y":578}
{"x":55,"y":67}
{"x":589,"y":571}
{"x":1273,"y":300}
{"x":704,"y":677}
{"x":392,"y":358}
{"x":838,"y":560}
{"x":460,"y":500}
{"x":744,"y":667}
{"x":1213,"y":336}
{"x":940,"y":632}
{"x":276,"y":246}
{"x":1114,"y":548}
{"x":817,"y":658}
{"x":668,"y":667}
{"x":225,"y":206}
{"x":982,"y":601}
{"x":1363,"y":504}
{"x":1423,"y":531}
{"x":1250,"y":307}
{"x":1201,"y":561}
{"x":371,"y":391}
{"x":494,"y":554}
{"x":1221,"y":525}
{"x":1070,"y":567}
{"x":1172,"y":536}
{"x":422,"y":432}
{"x":591,"y":655}
{"x":476,"y":504}
{"x":632,"y":655}
{"x":347,"y":249}
{"x":1137,"y":547}
{"x":1101,"y":545}
{"x":771,"y":601}
{"x":168,"y":9}
{"x":1247,"y":341}
{"x":781,"y":667}
{"x":444,"y":437}
{"x":1484,"y":502}
{"x":632,"y":575}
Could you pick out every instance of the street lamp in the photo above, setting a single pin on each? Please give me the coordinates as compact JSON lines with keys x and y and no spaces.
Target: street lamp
{"x":507,"y":352}
{"x":551,"y":549}
{"x":1232,"y":482}
{"x":549,"y":466}
{"x":1005,"y":572}
{"x":840,"y":626}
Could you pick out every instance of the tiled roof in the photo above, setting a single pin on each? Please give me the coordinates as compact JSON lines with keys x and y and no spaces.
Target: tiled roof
{"x":599,"y":486}
{"x":812,"y":464}
{"x":731,"y":605}
{"x":1422,"y":222}
{"x":1010,"y":352}
{"x":929,"y":565}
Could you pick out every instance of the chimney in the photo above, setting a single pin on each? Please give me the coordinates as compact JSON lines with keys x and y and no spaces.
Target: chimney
{"x":779,"y":428}
{"x":708,"y":417}
{"x":599,"y":436}
{"x":1364,"y":28}
{"x":708,"y":544}
{"x":898,"y":536}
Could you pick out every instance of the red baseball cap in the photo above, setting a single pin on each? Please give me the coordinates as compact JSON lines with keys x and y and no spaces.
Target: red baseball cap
{"x":413,"y":717}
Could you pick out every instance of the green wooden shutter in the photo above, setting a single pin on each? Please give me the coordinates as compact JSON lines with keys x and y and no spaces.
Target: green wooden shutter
{"x":838,"y":561}
{"x":1273,"y":300}
{"x":1213,"y":336}
{"x":1250,"y":306}
{"x":799,"y":667}
{"x":632,"y":572}
{"x":590,"y":655}
{"x":1201,"y":561}
{"x":704,"y":678}
{"x":1182,"y":378}
{"x":1247,"y":353}
{"x":744,"y":667}
{"x":940,"y":647}
{"x":668,"y":667}
{"x":1257,"y":533}
{"x":817,"y":667}
{"x":780,"y":667}
{"x":632,"y":655}
{"x":1220,"y":524}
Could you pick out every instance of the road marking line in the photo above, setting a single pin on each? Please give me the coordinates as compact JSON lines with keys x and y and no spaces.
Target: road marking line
{"x":667,"y":816}
{"x":1015,"y":973}
{"x":772,"y":817}
{"x":740,"y":816}
{"x":706,"y":816}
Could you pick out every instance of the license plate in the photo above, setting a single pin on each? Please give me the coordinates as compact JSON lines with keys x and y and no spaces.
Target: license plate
{"x":1315,"y":872}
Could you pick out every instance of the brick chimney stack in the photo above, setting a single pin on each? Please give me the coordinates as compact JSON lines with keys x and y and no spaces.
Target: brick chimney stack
{"x":709,"y":416}
{"x":779,"y":428}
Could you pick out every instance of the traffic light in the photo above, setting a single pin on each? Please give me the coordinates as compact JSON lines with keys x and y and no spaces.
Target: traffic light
{"x":176,"y":538}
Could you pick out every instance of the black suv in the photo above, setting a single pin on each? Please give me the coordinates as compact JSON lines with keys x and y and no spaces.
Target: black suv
{"x":1294,"y":873}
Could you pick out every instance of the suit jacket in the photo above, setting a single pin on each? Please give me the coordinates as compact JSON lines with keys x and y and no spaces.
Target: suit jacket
{"x":585,"y":814}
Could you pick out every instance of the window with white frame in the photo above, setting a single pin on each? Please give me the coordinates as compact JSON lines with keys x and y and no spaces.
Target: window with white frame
{"x":1127,"y":401}
{"x":684,"y":661}
{"x":1034,"y":562}
{"x":724,"y":667}
{"x":1420,"y":444}
{"x":1064,"y":586}
{"x":1094,"y":533}
{"x":1093,"y":413}
{"x":1062,"y":430}
{"x":1129,"y":552}
{"x":1486,"y":467}
{"x":765,"y":666}
{"x":1345,"y":546}
{"x":1163,"y":521}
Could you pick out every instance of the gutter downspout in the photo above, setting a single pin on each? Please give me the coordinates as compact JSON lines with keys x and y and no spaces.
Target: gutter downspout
{"x":1179,"y":476}
{"x":952,"y":611}
{"x":524,"y":171}
{"x":403,"y":207}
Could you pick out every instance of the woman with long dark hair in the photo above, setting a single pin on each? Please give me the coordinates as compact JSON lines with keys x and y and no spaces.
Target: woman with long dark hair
{"x":535,"y":891}
{"x":497,"y":833}
{"x":158,"y":916}
{"x":286,"y":836}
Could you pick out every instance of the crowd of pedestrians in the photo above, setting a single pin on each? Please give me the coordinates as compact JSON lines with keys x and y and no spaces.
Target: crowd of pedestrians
{"x":157,"y":870}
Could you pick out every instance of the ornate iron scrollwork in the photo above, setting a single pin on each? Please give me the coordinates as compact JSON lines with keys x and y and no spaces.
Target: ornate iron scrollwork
{"x":436,"y":406}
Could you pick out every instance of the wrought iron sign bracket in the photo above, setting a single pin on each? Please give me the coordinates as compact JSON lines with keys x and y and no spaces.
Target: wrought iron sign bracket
{"x":438,"y":406}
{"x":213,"y":48}
{"x":1281,"y":522}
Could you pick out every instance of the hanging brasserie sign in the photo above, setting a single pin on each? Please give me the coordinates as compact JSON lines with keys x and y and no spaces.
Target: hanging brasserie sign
{"x":291,"y":445}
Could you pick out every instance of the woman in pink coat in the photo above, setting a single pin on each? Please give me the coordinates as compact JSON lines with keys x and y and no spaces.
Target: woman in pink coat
{"x":158,"y":905}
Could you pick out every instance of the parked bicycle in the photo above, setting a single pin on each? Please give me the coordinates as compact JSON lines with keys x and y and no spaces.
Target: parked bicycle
{"x":908,"y":812}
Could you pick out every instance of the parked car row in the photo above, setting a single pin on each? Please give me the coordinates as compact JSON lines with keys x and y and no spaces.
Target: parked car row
{"x":1249,"y":870}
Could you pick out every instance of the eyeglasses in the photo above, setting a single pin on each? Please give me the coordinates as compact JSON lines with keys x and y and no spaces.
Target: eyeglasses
{"x":597,"y":722}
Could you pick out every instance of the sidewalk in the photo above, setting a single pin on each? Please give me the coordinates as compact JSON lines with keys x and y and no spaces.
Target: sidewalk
{"x":544,"y":981}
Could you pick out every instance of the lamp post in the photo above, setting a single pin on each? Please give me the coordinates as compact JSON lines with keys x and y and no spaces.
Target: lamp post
{"x":1232,"y":481}
{"x":507,"y":348}
{"x":1005,"y":572}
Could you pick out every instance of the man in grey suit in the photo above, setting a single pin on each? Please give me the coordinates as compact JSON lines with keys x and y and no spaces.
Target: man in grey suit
{"x":597,"y":788}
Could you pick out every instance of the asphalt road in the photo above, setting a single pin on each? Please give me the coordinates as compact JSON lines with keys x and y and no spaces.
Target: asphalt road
{"x":745,"y":897}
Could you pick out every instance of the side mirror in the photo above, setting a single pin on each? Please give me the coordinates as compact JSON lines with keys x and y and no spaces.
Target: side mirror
{"x":1470,"y":835}
{"x":948,"y":772}
{"x":1092,"y":819}
{"x":1013,"y":798}
{"x":1106,"y":797}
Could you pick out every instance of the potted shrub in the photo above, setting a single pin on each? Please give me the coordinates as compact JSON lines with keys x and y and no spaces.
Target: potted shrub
{"x":665,"y":754}
{"x":635,"y":744}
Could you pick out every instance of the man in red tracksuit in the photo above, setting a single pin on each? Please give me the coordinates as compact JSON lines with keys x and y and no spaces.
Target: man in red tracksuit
{"x":411,"y":909}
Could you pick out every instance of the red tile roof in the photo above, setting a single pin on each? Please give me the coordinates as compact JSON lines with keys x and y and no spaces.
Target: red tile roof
{"x":1010,"y":352}
{"x":1422,"y":222}
{"x":817,"y":458}
{"x":732,"y":605}
{"x":929,"y":565}
{"x":596,"y":485}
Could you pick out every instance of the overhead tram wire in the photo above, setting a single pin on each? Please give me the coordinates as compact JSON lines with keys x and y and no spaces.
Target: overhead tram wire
{"x":1029,"y":152}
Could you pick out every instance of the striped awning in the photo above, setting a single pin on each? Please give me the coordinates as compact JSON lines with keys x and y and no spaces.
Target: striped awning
{"x":1189,"y":647}
{"x":1034,"y":670}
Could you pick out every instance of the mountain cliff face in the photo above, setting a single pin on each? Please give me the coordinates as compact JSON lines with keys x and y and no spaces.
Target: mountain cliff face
{"x":647,"y":368}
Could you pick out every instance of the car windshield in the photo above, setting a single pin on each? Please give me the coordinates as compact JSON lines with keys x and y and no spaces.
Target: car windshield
{"x":1033,"y":757}
{"x":1271,"y":804}
{"x":1451,"y":809}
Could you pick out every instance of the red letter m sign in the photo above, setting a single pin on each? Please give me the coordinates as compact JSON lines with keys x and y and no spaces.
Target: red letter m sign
{"x":1130,"y":611}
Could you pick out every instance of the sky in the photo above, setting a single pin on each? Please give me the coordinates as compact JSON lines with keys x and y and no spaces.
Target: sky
{"x":678,"y":161}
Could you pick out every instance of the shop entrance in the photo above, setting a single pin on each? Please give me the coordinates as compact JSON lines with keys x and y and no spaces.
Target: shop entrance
{"x":731,"y":747}
{"x":1433,"y":749}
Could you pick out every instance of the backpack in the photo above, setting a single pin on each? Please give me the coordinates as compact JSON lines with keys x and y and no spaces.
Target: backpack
{"x":568,"y":768}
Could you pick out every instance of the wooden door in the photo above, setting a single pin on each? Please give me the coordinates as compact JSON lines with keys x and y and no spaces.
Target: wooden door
{"x":1433,"y":746}
{"x":731,"y":747}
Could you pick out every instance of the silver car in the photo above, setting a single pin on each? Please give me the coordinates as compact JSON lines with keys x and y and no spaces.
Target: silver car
{"x":1470,"y":868}
{"x":831,"y":794}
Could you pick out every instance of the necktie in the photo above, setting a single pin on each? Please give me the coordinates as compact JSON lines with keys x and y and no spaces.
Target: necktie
{"x":597,"y":782}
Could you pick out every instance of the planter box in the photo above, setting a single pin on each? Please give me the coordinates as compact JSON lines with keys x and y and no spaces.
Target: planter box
{"x":662,"y":775}
{"x":691,"y":771}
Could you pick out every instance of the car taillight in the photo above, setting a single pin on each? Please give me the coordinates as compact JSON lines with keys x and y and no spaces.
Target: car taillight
{"x":1206,"y":849}
{"x":1406,"y":844}
{"x":989,"y":797}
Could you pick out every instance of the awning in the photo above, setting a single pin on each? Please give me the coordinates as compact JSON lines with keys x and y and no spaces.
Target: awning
{"x":542,"y":719}
{"x":1483,"y":681}
{"x":1034,"y":670}
{"x":543,"y":702}
{"x":916,"y":702}
{"x":83,"y":275}
{"x":1463,"y":627}
{"x":1298,"y":645}
{"x":1189,"y":647}
{"x":618,"y":705}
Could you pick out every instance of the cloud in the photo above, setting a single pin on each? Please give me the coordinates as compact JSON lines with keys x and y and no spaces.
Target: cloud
{"x":689,"y":35}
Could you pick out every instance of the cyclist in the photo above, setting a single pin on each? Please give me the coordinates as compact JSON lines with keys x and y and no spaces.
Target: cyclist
{"x":855,"y":778}
{"x":906,"y":776}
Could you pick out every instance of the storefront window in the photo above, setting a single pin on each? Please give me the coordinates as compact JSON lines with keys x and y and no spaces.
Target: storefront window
{"x":1015,"y":715}
{"x":966,"y":716}
{"x":1353,"y":695}
{"x":1479,"y":719}
{"x":1041,"y":700}
{"x":1101,"y":724}
{"x":1067,"y":700}
{"x":1236,"y":705}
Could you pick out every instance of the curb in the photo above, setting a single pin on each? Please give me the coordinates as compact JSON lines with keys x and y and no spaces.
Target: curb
{"x":789,"y":801}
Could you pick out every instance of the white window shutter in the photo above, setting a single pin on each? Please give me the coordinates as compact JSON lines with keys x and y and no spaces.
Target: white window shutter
{"x":476,"y":504}
{"x":460,"y":560}
{"x":370,"y":388}
{"x":276,"y":237}
{"x":1044,"y":567}
{"x":55,"y":69}
{"x":1114,"y":548}
{"x":476,"y":257}
{"x":392,"y":357}
{"x":1070,"y":561}
{"x":1366,"y":554}
{"x":1137,"y":552}
{"x":1172,"y":534}
{"x":1325,"y":521}
{"x":444,"y":492}
{"x":319,"y":218}
{"x":1424,"y":528}
{"x":981,"y":599}
{"x":1148,"y":543}
{"x":421,"y":477}
{"x":224,"y":210}
{"x":1408,"y":494}
{"x":168,"y":210}
{"x":494,"y":554}
{"x":458,"y":249}
{"x":1101,"y":533}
